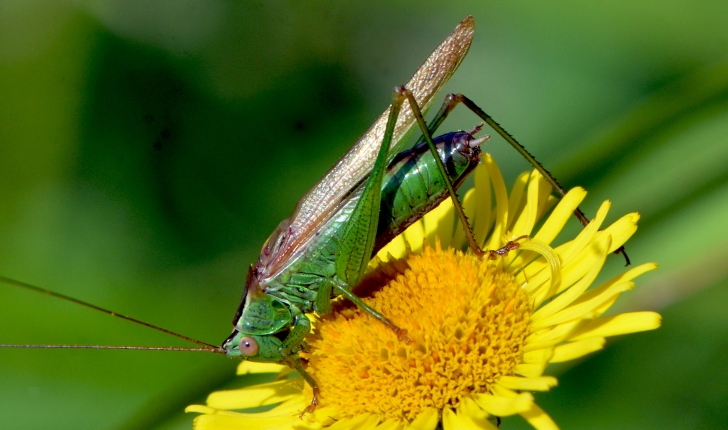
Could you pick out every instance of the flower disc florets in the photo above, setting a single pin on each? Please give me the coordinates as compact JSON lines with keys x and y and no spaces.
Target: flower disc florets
{"x":467,"y":320}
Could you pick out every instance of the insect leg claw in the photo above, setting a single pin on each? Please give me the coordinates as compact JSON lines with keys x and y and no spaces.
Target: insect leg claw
{"x":312,"y":407}
{"x":402,"y":335}
{"x":512,"y":245}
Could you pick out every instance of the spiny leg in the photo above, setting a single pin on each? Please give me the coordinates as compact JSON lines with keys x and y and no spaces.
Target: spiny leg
{"x":452,"y":100}
{"x":427,"y":136}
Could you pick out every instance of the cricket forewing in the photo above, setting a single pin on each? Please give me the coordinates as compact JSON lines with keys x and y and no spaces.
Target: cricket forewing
{"x":319,"y":204}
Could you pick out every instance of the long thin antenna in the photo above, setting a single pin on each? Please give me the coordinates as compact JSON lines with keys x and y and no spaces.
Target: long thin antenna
{"x":206,"y":346}
{"x":134,"y":348}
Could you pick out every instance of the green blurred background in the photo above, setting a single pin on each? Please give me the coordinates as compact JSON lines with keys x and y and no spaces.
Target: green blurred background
{"x":148,"y":148}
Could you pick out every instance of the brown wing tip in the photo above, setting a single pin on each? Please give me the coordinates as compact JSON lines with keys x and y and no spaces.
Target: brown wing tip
{"x":465,"y":29}
{"x":456,"y":45}
{"x":469,"y":22}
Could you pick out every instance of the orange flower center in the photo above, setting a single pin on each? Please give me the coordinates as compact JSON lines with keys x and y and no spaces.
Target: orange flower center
{"x":467,"y":320}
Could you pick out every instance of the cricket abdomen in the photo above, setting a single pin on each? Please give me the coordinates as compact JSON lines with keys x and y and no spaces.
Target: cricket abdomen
{"x":413,"y":185}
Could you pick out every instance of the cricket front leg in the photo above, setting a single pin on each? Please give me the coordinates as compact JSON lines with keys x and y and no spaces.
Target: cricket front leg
{"x":297,"y":364}
{"x":400,"y":332}
{"x":291,"y":345}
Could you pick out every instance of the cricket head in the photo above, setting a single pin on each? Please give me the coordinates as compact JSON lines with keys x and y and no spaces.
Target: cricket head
{"x":258,"y":348}
{"x":258,"y":319}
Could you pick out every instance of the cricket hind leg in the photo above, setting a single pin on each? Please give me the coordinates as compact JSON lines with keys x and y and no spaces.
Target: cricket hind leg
{"x":452,"y":100}
{"x":427,"y":137}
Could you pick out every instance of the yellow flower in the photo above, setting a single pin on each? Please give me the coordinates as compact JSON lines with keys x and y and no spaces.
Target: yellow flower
{"x":482,"y":332}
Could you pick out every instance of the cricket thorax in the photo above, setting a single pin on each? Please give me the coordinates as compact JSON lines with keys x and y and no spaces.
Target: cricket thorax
{"x":263,"y":314}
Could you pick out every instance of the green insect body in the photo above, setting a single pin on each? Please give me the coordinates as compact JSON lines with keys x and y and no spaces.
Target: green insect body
{"x":412,"y":186}
{"x":324,"y":248}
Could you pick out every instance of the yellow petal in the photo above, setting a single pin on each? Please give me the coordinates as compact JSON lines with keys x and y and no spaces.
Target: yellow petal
{"x":560,"y":215}
{"x":415,"y":235}
{"x":450,"y":421}
{"x":626,"y":276}
{"x":501,"y":203}
{"x":246,"y":367}
{"x":325,"y":416}
{"x":573,"y":265}
{"x":446,"y":224}
{"x":621,"y":230}
{"x":619,"y":324}
{"x":527,"y":218}
{"x":575,"y":291}
{"x":539,"y":419}
{"x":573,"y":350}
{"x":359,"y":422}
{"x":200,"y":409}
{"x":391,"y":424}
{"x":503,"y":406}
{"x":579,"y":265}
{"x":516,"y":199}
{"x":439,"y":223}
{"x":256,"y":395}
{"x":623,"y":277}
{"x":541,"y":383}
{"x":457,"y":421}
{"x":283,"y":416}
{"x":581,"y":309}
{"x":396,"y":249}
{"x":552,"y":336}
{"x":599,"y":310}
{"x":530,"y":370}
{"x":546,"y":200}
{"x":223,"y":422}
{"x":549,"y":285}
{"x":538,"y":356}
{"x":427,"y":420}
{"x":585,"y":237}
{"x":469,"y":410}
{"x":483,"y":201}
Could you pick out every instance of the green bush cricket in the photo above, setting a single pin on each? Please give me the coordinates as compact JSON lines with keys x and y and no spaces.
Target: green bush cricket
{"x":323,"y":249}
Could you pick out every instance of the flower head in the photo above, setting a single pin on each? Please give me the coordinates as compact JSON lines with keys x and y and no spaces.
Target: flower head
{"x":482,"y":331}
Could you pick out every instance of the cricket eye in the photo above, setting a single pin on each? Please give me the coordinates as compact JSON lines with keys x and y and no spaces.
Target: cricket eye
{"x":248,"y":346}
